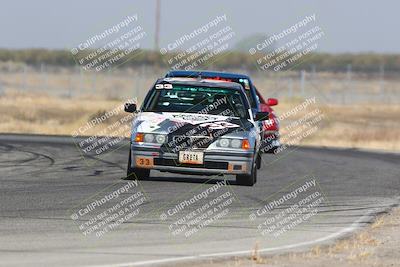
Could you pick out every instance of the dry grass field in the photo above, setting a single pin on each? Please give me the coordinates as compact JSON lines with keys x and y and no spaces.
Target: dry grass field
{"x":355,"y":126}
{"x":352,"y":126}
{"x":42,"y":114}
{"x":359,"y":110}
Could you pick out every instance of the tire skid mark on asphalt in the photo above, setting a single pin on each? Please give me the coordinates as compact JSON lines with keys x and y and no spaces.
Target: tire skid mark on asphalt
{"x":36,"y":159}
{"x":106,"y":161}
{"x":9,"y":149}
{"x":71,"y":160}
{"x":35,"y":155}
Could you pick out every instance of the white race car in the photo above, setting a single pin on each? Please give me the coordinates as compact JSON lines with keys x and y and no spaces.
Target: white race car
{"x":195,"y":126}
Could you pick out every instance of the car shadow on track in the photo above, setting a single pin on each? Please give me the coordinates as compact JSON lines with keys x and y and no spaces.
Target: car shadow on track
{"x":188,"y":179}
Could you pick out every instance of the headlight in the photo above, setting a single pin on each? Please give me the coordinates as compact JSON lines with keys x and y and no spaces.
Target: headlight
{"x":236,"y":143}
{"x":149,"y":138}
{"x":233,"y":143}
{"x":224,"y":142}
{"x":160,"y":138}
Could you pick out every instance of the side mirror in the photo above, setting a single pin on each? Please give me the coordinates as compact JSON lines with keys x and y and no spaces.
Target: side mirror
{"x":130,"y":107}
{"x":261,"y":116}
{"x":272,"y":101}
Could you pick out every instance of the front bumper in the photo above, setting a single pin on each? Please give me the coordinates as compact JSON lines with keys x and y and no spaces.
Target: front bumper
{"x":214,"y":162}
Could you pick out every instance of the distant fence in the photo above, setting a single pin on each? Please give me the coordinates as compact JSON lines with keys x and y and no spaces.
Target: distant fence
{"x":337,"y":88}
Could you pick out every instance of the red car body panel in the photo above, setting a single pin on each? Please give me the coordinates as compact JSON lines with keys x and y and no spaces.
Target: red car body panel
{"x":272,"y":124}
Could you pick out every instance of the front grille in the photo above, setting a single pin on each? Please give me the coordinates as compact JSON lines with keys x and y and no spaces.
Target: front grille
{"x":184,"y":141}
{"x":207,"y":164}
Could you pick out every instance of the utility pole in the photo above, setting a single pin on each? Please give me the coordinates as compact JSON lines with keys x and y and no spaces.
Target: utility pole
{"x":302,"y":81}
{"x":157,"y":32}
{"x":382,"y":78}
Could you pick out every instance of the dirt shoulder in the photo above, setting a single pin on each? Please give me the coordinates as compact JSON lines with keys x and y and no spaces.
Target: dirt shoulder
{"x":376,"y":245}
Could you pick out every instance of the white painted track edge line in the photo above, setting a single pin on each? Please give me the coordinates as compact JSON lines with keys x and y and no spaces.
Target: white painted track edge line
{"x":354,"y":226}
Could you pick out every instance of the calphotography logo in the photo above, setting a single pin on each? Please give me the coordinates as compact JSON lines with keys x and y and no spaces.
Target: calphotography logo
{"x":107,"y":213}
{"x":295,"y":43}
{"x":201,"y":46}
{"x":110,"y":129}
{"x":112,"y":46}
{"x":288,"y":209}
{"x":199,"y":210}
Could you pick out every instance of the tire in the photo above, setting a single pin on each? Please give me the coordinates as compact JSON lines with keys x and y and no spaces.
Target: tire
{"x":258,"y":161}
{"x":136,"y":173}
{"x":248,"y":179}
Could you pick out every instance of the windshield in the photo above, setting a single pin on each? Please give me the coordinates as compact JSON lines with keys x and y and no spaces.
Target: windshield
{"x":245,"y":83}
{"x":193,"y":99}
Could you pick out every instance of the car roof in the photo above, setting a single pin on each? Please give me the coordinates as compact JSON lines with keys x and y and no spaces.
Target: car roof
{"x":201,"y":82}
{"x":197,"y":73}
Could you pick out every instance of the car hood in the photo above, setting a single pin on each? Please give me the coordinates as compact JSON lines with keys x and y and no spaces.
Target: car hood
{"x":192,"y":124}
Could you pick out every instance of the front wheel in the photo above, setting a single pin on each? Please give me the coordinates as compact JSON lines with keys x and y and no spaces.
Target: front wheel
{"x":136,"y":173}
{"x":248,"y":179}
{"x":258,"y":162}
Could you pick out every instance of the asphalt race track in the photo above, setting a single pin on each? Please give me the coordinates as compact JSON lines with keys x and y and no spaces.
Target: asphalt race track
{"x":45,"y":182}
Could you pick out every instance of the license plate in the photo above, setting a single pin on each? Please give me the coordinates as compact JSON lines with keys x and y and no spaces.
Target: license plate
{"x":191,"y":157}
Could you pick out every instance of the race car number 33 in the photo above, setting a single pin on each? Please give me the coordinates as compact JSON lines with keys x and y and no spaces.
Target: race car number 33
{"x":191,"y":157}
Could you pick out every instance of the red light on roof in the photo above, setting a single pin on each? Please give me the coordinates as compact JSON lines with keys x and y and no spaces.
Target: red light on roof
{"x":218,"y":78}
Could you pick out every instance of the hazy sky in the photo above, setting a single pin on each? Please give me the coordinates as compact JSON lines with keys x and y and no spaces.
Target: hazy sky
{"x":349,"y":26}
